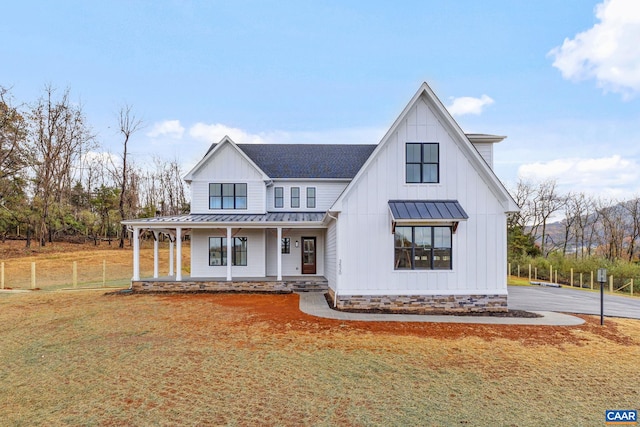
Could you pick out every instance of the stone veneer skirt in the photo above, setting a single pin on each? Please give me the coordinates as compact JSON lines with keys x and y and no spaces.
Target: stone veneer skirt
{"x":421,"y":303}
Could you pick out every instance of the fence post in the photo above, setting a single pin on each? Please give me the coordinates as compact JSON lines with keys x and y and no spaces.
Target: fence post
{"x":529,"y":272}
{"x":632,"y":286}
{"x":556,"y":281}
{"x":551,"y":273}
{"x":75,"y":274}
{"x":518,"y":270}
{"x":592,"y":280}
{"x":535,"y":271}
{"x":104,"y":273}
{"x":611,"y":283}
{"x":2,"y":276}
{"x":571,"y":279}
{"x":33,"y":275}
{"x":509,"y":269}
{"x":581,"y":281}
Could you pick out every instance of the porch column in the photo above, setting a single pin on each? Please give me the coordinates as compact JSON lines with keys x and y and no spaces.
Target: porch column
{"x":136,"y":253}
{"x":155,"y":254}
{"x":279,"y":253}
{"x":178,"y":254}
{"x":229,"y":256}
{"x":170,"y":255}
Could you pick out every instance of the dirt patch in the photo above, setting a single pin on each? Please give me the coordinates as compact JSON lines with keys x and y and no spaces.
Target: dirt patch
{"x":282,"y":314}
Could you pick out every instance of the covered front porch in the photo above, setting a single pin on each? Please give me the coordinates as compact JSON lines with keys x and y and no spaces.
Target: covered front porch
{"x":241,"y":253}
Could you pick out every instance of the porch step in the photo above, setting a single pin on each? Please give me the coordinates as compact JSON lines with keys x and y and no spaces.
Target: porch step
{"x":310,"y":286}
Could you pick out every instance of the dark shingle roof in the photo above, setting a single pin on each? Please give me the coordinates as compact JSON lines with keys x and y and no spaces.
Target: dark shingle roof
{"x":308,"y":160}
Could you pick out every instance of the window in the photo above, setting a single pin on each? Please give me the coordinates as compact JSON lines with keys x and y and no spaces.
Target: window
{"x":311,"y":197}
{"x":227,"y":196}
{"x":278,"y":197}
{"x":422,"y":248}
{"x":422,"y":163}
{"x":218,"y":251}
{"x":286,"y":245}
{"x":295,"y":197}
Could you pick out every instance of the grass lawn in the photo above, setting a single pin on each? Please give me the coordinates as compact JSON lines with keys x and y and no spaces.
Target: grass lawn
{"x":86,"y":358}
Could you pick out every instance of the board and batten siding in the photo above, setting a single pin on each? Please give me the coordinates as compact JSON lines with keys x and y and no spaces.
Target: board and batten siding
{"x":486,"y":151}
{"x":326,"y":194}
{"x":200,"y":253}
{"x":331,"y":254}
{"x":365,"y":232}
{"x":228,"y":166}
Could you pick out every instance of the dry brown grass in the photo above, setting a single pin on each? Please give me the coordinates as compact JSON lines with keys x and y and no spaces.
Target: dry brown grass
{"x":54,"y":263}
{"x":85,"y":358}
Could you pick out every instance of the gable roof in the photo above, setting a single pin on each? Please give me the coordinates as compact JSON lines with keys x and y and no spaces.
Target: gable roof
{"x":463,"y":141}
{"x":217,"y":147}
{"x":307,"y":160}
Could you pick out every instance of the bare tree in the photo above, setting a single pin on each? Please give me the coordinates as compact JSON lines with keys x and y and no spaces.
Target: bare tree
{"x":128,"y":124}
{"x":633,"y":209}
{"x":59,"y":133}
{"x":546,"y":203}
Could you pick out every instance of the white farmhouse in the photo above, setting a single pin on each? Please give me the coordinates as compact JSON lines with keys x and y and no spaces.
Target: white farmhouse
{"x":414,"y":223}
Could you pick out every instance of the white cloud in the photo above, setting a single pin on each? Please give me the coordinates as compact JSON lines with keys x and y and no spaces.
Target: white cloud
{"x":608,"y":52}
{"x":611,"y":176}
{"x":215,"y":132}
{"x":469,"y":105}
{"x":170,"y":128}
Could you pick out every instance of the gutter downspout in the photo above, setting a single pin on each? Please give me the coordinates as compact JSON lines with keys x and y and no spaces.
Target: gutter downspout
{"x":339,"y":265}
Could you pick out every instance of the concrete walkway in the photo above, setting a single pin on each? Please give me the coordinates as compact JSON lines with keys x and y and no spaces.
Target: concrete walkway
{"x":315,"y":304}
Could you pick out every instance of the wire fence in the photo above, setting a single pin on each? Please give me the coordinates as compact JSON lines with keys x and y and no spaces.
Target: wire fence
{"x":112,"y":270}
{"x":573,"y":278}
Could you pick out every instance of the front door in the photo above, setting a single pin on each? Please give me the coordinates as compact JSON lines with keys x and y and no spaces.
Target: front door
{"x":308,"y":255}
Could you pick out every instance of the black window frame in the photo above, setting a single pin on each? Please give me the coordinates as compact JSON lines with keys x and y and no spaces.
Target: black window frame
{"x":295,"y":199}
{"x":285,"y":245}
{"x":431,"y":251}
{"x":422,"y":165}
{"x":239,"y":250}
{"x":278,"y":199}
{"x":228,"y":195}
{"x":311,"y":198}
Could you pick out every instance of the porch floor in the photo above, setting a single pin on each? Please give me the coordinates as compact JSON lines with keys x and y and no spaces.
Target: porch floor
{"x":186,"y":278}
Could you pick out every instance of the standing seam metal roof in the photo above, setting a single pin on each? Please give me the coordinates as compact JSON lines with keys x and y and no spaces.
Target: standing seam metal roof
{"x":427,"y":209}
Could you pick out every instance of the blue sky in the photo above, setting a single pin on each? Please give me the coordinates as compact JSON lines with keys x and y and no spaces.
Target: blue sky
{"x":560,"y":78}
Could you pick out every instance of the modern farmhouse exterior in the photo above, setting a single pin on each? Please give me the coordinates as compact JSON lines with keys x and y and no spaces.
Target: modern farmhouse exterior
{"x":414,"y":223}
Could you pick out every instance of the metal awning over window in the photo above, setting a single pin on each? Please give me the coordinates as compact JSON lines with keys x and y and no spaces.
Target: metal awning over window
{"x":427,"y":212}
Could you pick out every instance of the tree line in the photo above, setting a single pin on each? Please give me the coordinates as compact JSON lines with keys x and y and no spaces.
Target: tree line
{"x":57,"y":181}
{"x":572,"y":224}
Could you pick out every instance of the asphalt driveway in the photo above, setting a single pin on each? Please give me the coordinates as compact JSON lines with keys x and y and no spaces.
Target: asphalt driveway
{"x":567,"y":300}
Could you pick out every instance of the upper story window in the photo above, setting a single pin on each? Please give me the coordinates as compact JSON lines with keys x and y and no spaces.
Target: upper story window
{"x":295,"y":197}
{"x":311,"y":197}
{"x":227,"y":196}
{"x":422,"y":162}
{"x":278,"y":197}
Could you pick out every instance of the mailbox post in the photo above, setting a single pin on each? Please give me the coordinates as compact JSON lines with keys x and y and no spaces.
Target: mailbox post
{"x":602,"y":278}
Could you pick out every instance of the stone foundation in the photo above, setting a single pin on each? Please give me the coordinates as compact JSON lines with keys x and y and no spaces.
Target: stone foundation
{"x":256,"y":286}
{"x":211,"y":286}
{"x":421,"y":303}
